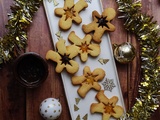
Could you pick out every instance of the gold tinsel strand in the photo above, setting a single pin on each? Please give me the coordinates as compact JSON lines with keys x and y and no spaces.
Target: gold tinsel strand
{"x":147,"y":32}
{"x":19,"y":20}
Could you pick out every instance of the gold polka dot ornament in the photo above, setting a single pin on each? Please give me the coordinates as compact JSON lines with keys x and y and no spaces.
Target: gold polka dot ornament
{"x":50,"y":109}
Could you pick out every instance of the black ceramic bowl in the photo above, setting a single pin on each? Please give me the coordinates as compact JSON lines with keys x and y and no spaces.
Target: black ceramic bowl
{"x":30,"y":69}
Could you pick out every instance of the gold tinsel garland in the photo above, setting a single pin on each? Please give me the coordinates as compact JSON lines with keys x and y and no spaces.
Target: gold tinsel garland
{"x":19,"y":20}
{"x":140,"y":24}
{"x":147,"y":33}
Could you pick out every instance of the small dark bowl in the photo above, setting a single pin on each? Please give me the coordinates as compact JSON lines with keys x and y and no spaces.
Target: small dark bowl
{"x":30,"y":69}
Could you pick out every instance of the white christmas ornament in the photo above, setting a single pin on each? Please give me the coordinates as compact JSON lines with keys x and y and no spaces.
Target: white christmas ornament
{"x":50,"y":109}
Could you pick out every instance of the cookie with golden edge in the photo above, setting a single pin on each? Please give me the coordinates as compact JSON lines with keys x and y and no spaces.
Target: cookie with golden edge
{"x":107,"y":107}
{"x":69,"y":13}
{"x":64,"y":57}
{"x":89,"y":80}
{"x":85,"y":46}
{"x":100,"y":24}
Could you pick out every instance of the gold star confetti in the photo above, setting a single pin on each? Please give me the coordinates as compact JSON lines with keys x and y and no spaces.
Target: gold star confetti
{"x":103,"y":61}
{"x":85,"y":117}
{"x":55,"y":2}
{"x":58,"y":34}
{"x":78,"y":117}
{"x":89,"y":1}
{"x":76,"y":108}
{"x":77,"y":100}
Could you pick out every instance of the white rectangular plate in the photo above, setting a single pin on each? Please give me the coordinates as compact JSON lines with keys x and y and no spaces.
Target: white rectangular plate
{"x":93,"y":63}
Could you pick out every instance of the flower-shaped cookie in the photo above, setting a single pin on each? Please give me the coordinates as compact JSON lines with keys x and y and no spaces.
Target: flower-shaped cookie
{"x":100,"y":23}
{"x":69,"y":13}
{"x":107,"y":106}
{"x":85,"y":46}
{"x":64,"y":57}
{"x":88,"y":80}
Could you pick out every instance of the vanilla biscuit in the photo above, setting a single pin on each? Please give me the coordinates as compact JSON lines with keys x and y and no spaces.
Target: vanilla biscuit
{"x":69,"y":13}
{"x":100,"y":24}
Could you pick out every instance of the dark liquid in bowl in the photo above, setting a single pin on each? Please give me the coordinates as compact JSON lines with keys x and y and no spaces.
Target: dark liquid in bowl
{"x":30,"y":70}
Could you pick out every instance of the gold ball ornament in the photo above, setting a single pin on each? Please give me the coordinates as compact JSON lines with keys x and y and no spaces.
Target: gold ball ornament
{"x":124,"y":53}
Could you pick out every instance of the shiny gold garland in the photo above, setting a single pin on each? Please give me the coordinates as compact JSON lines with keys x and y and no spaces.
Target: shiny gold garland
{"x":140,"y":24}
{"x":147,"y":32}
{"x":19,"y":20}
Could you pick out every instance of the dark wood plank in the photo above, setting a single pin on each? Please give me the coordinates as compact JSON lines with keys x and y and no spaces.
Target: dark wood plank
{"x":12,"y":95}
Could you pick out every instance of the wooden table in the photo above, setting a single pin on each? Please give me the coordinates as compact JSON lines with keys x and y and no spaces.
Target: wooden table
{"x":18,"y":103}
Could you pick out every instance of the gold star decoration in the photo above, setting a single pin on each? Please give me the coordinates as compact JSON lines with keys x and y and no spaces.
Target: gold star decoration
{"x":77,"y":100}
{"x":55,"y":2}
{"x":85,"y":117}
{"x":103,"y":61}
{"x":89,"y":1}
{"x":78,"y":117}
{"x":76,"y":108}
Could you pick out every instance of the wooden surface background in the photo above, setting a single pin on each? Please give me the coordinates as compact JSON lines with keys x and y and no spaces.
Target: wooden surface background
{"x":18,"y":103}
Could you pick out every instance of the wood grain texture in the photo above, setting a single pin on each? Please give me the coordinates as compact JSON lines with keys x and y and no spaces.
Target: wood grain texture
{"x":18,"y":103}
